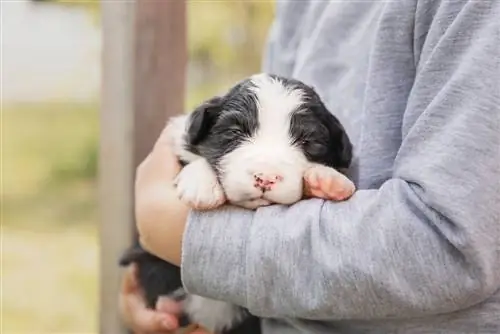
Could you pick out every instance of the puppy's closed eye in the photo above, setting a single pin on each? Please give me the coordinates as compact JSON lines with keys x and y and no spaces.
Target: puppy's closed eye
{"x":315,"y":148}
{"x":234,"y":130}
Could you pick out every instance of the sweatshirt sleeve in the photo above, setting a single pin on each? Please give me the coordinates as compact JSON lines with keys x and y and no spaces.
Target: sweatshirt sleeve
{"x":426,"y":242}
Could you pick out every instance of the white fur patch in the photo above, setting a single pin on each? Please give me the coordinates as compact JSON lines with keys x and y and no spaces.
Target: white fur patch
{"x":213,"y":315}
{"x":269,"y":153}
{"x":197,"y":185}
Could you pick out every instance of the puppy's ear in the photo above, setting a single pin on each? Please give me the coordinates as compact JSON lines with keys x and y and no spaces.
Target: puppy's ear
{"x":202,"y":119}
{"x":345,"y":154}
{"x":340,"y":144}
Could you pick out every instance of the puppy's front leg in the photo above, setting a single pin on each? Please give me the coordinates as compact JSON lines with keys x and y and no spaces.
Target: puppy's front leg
{"x":197,"y":186}
{"x":323,"y":180}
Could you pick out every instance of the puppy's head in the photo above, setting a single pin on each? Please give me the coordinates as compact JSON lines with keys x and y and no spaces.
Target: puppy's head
{"x":263,"y":134}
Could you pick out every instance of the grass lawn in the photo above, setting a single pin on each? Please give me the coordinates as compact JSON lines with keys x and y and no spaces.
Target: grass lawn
{"x":49,"y":281}
{"x":49,"y":222}
{"x":49,"y":217}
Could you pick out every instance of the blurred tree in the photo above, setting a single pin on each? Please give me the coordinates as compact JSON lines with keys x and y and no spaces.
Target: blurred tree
{"x":228,"y":36}
{"x":225,"y":40}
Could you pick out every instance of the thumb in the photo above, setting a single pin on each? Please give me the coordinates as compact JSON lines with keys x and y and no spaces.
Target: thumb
{"x":164,"y":146}
{"x":151,"y":321}
{"x":161,"y":164}
{"x":135,"y":312}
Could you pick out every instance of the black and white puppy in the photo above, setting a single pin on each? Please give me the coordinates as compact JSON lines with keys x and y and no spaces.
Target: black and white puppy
{"x":252,"y":147}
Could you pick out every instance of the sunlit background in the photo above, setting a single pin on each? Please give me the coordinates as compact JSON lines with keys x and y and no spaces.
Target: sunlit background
{"x":51,"y":59}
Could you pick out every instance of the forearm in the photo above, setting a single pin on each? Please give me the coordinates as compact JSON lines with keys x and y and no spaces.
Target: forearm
{"x":370,"y":257}
{"x":425,"y":242}
{"x":152,"y":215}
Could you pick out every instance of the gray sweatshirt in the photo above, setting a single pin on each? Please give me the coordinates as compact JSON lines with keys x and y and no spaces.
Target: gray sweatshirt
{"x":417,"y":248}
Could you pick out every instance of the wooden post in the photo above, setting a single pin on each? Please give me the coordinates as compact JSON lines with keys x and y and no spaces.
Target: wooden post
{"x":144,"y":65}
{"x":116,"y":155}
{"x":160,"y":69}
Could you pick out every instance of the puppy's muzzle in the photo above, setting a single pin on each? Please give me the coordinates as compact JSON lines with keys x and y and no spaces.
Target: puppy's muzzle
{"x":266,"y":182}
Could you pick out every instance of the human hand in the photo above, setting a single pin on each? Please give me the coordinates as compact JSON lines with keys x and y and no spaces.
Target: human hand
{"x":136,"y":315}
{"x":160,"y":215}
{"x":143,"y":320}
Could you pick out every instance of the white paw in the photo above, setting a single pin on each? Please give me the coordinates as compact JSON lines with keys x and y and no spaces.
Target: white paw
{"x":328,"y":183}
{"x":197,"y":186}
{"x":213,"y":315}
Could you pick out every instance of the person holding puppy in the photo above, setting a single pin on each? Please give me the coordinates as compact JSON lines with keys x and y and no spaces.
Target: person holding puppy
{"x":417,"y":248}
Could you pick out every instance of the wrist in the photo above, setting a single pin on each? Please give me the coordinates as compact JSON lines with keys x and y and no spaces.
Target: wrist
{"x":161,"y":229}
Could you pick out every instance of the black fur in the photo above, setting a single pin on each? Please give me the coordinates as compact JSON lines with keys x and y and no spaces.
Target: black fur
{"x":216,"y":128}
{"x":202,"y":119}
{"x":160,"y":278}
{"x":317,"y":130}
{"x":226,"y":127}
{"x":233,"y":118}
{"x":321,"y":136}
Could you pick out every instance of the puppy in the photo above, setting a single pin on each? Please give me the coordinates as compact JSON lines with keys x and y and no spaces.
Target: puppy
{"x":252,"y":147}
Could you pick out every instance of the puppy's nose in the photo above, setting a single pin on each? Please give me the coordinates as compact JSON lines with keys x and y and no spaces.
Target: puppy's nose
{"x":266,"y":181}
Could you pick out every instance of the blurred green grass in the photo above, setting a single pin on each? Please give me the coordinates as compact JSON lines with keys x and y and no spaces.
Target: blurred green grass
{"x":49,"y":223}
{"x":49,"y":166}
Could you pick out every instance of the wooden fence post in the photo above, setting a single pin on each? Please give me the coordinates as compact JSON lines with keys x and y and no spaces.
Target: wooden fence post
{"x":143,"y":84}
{"x":116,"y":155}
{"x":160,"y":69}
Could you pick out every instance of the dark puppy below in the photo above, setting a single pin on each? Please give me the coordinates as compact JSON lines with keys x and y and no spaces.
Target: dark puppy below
{"x":252,"y":147}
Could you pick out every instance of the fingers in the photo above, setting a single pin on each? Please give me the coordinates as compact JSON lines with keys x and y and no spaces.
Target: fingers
{"x":161,"y":164}
{"x":167,"y":305}
{"x":164,"y":146}
{"x":129,"y":281}
{"x":136,"y":314}
{"x":195,"y":329}
{"x":150,"y":321}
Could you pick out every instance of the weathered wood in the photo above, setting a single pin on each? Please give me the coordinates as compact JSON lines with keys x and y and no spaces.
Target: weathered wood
{"x":160,"y":66}
{"x":143,"y":85}
{"x":116,"y":155}
{"x":160,"y":70}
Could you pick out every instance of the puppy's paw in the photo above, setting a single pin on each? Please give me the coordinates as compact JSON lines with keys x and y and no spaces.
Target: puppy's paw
{"x":327,"y":183}
{"x":197,"y":186}
{"x":213,"y":315}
